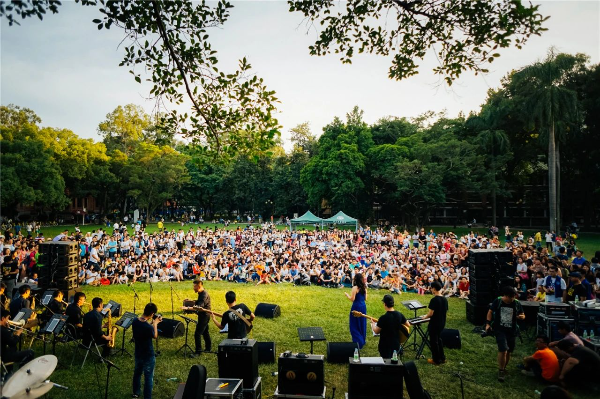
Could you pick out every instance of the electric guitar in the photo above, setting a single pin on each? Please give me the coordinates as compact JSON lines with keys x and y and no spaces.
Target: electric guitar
{"x":404,"y":330}
{"x":241,"y":316}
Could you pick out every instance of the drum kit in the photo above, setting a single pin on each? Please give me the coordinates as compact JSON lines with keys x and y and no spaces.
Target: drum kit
{"x":31,"y":381}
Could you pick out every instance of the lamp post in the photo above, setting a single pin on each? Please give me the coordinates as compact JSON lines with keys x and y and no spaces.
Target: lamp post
{"x":272,"y":205}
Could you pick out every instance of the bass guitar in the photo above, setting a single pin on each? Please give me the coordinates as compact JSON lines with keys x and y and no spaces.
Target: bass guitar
{"x":404,"y":330}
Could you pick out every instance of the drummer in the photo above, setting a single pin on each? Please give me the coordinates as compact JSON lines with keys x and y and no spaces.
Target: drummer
{"x":9,"y":341}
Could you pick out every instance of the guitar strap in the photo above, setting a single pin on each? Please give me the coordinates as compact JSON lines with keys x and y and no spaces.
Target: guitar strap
{"x":241,"y":316}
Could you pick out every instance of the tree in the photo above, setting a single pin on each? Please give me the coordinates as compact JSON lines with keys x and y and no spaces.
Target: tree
{"x":465,"y":33}
{"x":15,"y":117}
{"x":552,"y":106}
{"x":232,"y":113}
{"x":28,"y":171}
{"x":303,"y":139}
{"x":496,"y":144}
{"x":155,"y":175}
{"x":124,"y":128}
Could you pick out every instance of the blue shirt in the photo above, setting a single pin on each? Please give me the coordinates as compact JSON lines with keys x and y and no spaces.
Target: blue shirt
{"x":143,"y":333}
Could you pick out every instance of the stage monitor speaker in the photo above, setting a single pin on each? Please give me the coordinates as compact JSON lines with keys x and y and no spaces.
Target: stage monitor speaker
{"x":413,"y":382}
{"x":266,"y":352}
{"x":375,"y":381}
{"x":267,"y":310}
{"x":477,"y":313}
{"x":170,"y":328}
{"x":451,"y":338}
{"x":301,"y":375}
{"x":339,"y":352}
{"x":238,"y":358}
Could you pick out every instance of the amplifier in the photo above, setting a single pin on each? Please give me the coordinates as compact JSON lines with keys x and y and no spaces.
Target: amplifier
{"x":170,"y":328}
{"x":301,"y":375}
{"x":339,"y":352}
{"x":555,"y":309}
{"x":585,"y":314}
{"x":375,"y":381}
{"x":480,"y":284}
{"x":59,"y":247}
{"x":66,"y":272}
{"x":476,"y":313}
{"x":481,"y":271}
{"x":548,"y":326}
{"x":238,"y":358}
{"x":593,"y":345}
{"x":233,"y":389}
{"x":531,"y":310}
{"x":67,"y":283}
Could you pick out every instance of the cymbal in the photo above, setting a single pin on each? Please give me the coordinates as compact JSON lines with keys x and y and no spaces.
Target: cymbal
{"x":30,"y":375}
{"x":35,"y":392}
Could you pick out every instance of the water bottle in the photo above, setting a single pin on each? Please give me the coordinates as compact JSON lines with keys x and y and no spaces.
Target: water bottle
{"x":577,"y":299}
{"x":546,"y":298}
{"x":395,"y":355}
{"x":585,"y":335}
{"x":356,"y":355}
{"x":172,"y":379}
{"x":592,"y":334}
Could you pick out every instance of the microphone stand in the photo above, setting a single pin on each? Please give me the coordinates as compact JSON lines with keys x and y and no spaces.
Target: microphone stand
{"x":136,"y":297}
{"x":179,"y":299}
{"x":109,"y":364}
{"x":151,"y":288}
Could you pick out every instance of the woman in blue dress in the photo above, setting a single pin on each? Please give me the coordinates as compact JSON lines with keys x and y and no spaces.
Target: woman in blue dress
{"x":358,"y":297}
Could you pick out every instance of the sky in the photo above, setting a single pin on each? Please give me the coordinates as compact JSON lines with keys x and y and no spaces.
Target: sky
{"x":67,"y":71}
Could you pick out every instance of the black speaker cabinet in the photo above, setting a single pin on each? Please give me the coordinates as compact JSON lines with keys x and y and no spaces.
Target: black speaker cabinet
{"x":170,"y":328}
{"x":451,"y":338}
{"x":339,"y":352}
{"x":267,"y":310}
{"x":266,"y":352}
{"x":477,"y":313}
{"x":375,"y":381}
{"x":238,"y":358}
{"x":301,"y":375}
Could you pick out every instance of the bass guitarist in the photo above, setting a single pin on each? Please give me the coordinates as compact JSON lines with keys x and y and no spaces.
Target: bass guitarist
{"x":203,"y":302}
{"x":237,"y":328}
{"x":390,"y":326}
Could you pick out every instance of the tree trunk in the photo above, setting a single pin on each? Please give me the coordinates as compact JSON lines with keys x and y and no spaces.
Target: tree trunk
{"x":494,"y":209}
{"x":552,"y":177}
{"x":558,"y":208}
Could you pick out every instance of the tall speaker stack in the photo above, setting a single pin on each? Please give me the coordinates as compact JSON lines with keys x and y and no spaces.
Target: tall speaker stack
{"x":489,"y":271}
{"x":57,"y":265}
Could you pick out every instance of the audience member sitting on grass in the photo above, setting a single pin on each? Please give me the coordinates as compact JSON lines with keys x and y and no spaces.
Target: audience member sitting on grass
{"x":581,"y":368}
{"x":543,"y":363}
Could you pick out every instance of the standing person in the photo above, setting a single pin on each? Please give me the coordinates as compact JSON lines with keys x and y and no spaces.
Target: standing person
{"x":502,"y":320}
{"x":145,"y":329}
{"x":391,"y":326}
{"x":236,"y":327}
{"x":554,"y":286}
{"x":203,"y":318}
{"x":438,"y":308}
{"x":576,"y":289}
{"x":358,"y":297}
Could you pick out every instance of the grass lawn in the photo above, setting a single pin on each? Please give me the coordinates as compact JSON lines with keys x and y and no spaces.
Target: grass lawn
{"x":300,"y":307}
{"x":589,"y":243}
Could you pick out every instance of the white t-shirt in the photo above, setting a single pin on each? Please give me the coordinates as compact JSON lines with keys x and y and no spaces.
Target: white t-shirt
{"x":548,"y":237}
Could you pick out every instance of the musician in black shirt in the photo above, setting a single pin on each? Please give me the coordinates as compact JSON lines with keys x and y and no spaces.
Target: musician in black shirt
{"x":438,"y":307}
{"x":75,"y":313}
{"x":92,"y":327}
{"x":390,"y":326}
{"x":22,"y":301}
{"x":203,"y":301}
{"x":9,"y":341}
{"x":56,"y":305}
{"x":237,"y":328}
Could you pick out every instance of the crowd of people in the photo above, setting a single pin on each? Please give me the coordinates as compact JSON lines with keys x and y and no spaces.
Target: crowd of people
{"x":388,"y":259}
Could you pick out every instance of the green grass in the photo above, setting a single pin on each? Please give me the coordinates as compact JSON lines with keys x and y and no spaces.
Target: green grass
{"x":589,"y":243}
{"x":300,"y":307}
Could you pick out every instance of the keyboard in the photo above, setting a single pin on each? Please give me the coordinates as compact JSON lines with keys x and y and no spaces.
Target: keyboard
{"x":418,"y":320}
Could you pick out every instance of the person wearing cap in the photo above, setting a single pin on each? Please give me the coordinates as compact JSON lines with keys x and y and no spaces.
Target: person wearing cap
{"x":392,"y":327}
{"x":575,"y":289}
{"x":502,"y":320}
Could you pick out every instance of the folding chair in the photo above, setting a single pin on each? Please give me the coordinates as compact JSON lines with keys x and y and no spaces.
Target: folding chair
{"x":91,"y":346}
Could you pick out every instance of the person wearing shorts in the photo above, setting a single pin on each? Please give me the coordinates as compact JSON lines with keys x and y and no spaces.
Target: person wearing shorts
{"x":502,"y":321}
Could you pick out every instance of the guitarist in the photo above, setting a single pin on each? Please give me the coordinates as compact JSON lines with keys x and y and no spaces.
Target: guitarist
{"x":390,"y":326}
{"x":203,"y":301}
{"x":237,"y":327}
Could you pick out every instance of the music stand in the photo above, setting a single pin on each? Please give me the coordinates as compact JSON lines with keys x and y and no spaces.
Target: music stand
{"x":114,"y":308}
{"x":413,"y":305}
{"x":47,"y":297}
{"x":125,"y":322}
{"x":311,"y":334}
{"x":186,"y":346}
